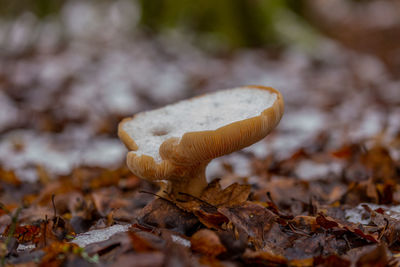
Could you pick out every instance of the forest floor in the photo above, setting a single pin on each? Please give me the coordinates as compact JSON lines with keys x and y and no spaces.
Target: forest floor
{"x":321,"y":189}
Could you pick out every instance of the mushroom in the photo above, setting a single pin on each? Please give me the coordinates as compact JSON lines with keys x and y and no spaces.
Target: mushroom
{"x":175,"y":143}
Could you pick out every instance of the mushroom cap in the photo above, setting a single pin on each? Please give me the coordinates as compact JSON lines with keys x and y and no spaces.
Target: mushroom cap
{"x":166,"y":141}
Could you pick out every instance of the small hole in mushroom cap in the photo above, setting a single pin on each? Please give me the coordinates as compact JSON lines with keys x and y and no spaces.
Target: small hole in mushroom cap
{"x":159,"y":131}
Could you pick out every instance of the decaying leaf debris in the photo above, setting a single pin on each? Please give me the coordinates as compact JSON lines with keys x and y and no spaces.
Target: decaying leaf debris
{"x":321,"y":190}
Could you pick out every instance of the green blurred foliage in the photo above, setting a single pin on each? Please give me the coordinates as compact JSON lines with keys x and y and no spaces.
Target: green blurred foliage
{"x":237,"y":22}
{"x":41,"y":8}
{"x":219,"y":24}
{"x":232,"y":23}
{"x":241,"y":23}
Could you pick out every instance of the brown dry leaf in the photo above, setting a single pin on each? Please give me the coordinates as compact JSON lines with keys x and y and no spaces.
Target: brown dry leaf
{"x":55,"y":254}
{"x":177,"y":255}
{"x":348,"y":151}
{"x":107,"y":177}
{"x":287,"y":193}
{"x":379,"y":161}
{"x":25,"y":234}
{"x":376,"y":257}
{"x":302,"y":262}
{"x":233,"y":195}
{"x":389,"y":228}
{"x":331,"y":261}
{"x":207,"y":243}
{"x":41,"y":233}
{"x":214,"y":196}
{"x":210,"y":217}
{"x":305,"y":222}
{"x":206,"y":207}
{"x":106,"y":200}
{"x":7,"y":208}
{"x":329,"y":223}
{"x":140,"y":244}
{"x":57,"y":187}
{"x":9,"y":177}
{"x":359,"y":192}
{"x":164,"y":214}
{"x":144,"y":259}
{"x":253,"y":219}
{"x":263,"y":258}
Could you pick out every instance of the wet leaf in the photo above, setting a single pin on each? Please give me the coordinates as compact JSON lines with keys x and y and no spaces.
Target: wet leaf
{"x":207,"y":242}
{"x":253,"y":219}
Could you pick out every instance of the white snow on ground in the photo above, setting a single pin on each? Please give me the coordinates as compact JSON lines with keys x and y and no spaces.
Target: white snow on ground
{"x":310,"y":170}
{"x":35,"y":151}
{"x":304,"y":121}
{"x":259,"y":149}
{"x":22,"y":247}
{"x":9,"y":112}
{"x":360,"y":215}
{"x":179,"y":240}
{"x":370,"y":125}
{"x":48,"y":151}
{"x":103,"y":152}
{"x":99,"y":235}
{"x":295,"y":130}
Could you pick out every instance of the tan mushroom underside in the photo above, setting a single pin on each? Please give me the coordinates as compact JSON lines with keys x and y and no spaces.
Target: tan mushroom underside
{"x":184,"y":159}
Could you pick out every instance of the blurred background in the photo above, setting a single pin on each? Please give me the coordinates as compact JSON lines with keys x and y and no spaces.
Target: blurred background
{"x":71,"y":70}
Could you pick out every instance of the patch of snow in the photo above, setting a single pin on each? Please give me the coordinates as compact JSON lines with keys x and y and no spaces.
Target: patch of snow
{"x":369,"y":67}
{"x":22,"y":247}
{"x":119,"y":97}
{"x":310,"y":170}
{"x":9,"y":112}
{"x":104,"y":152}
{"x":80,"y":19}
{"x":169,"y":85}
{"x":391,"y":93}
{"x":307,"y":120}
{"x":370,"y":125}
{"x":36,"y":150}
{"x":51,"y":152}
{"x":360,"y":215}
{"x":241,"y":164}
{"x":215,"y":169}
{"x":21,"y":32}
{"x":27,"y":174}
{"x":182,"y":241}
{"x":283,"y":144}
{"x":394,"y":122}
{"x":259,"y":149}
{"x":100,"y":235}
{"x":210,"y":112}
{"x":357,"y":215}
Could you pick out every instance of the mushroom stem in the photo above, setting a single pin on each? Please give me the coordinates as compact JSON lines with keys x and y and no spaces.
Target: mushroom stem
{"x":191,"y":183}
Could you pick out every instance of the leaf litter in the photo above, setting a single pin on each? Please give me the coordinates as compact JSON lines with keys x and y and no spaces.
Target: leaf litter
{"x":321,"y":190}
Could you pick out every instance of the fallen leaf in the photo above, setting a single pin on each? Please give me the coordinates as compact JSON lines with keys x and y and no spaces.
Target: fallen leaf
{"x":207,"y":242}
{"x":376,"y":257}
{"x":253,"y":219}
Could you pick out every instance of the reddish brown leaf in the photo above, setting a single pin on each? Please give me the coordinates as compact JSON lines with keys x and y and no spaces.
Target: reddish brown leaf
{"x":328,"y":223}
{"x":263,"y":258}
{"x":207,"y":243}
{"x":235,"y":194}
{"x":253,"y":219}
{"x":376,"y":257}
{"x":140,"y":244}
